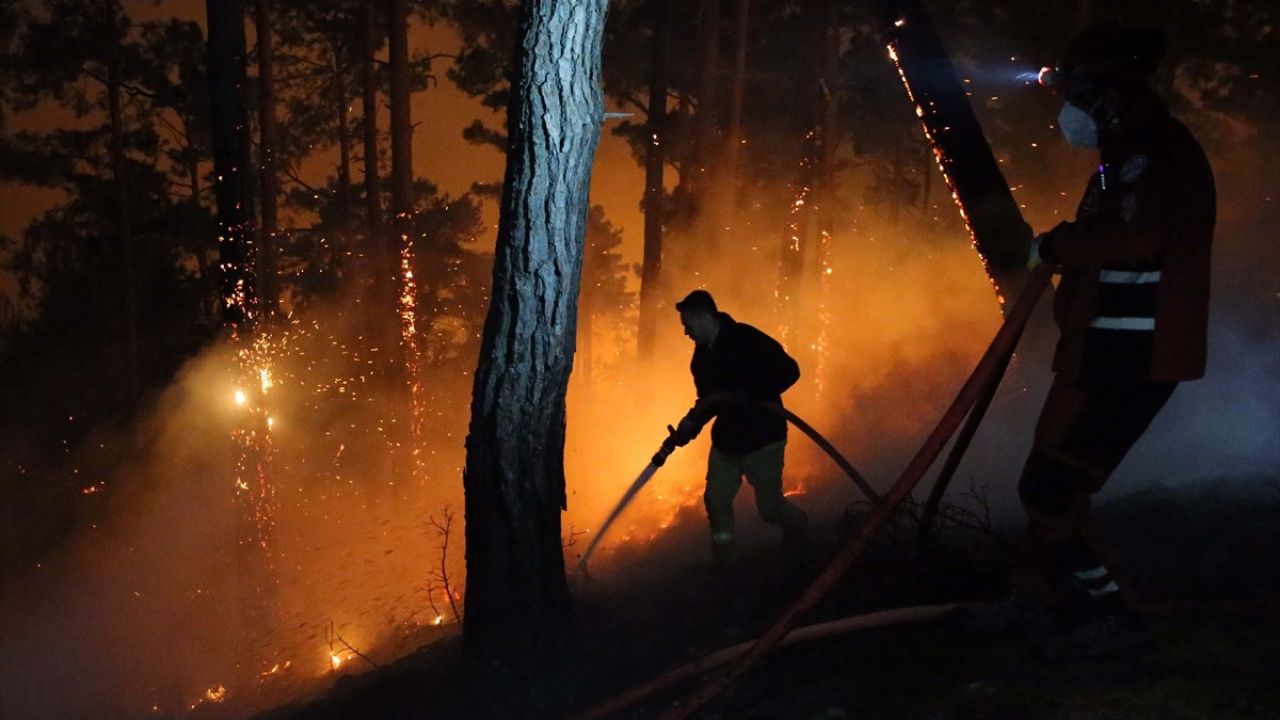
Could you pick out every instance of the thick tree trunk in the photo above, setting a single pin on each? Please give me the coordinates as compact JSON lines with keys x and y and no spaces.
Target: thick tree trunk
{"x":120,"y":179}
{"x":402,"y":209}
{"x":230,"y":133}
{"x":379,"y":259}
{"x":654,"y":191}
{"x":401,"y":128}
{"x":268,"y":181}
{"x":517,"y":595}
{"x":1000,"y":234}
{"x":254,"y":492}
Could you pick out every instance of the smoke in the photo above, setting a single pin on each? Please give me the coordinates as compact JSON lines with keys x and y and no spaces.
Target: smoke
{"x":153,"y":607}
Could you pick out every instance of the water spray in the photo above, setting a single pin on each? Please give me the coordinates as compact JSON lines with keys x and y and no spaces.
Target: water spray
{"x":659,"y":459}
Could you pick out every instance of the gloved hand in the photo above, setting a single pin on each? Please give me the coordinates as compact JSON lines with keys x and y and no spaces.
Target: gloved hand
{"x":688,"y":427}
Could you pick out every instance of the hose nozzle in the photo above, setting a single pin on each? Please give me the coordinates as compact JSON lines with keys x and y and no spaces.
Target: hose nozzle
{"x":668,"y":446}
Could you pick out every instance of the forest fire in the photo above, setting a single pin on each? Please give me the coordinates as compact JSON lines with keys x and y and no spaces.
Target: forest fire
{"x":247,"y":505}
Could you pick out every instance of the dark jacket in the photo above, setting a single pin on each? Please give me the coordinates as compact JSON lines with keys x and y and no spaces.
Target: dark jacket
{"x":746,"y":362}
{"x":1133,"y":303}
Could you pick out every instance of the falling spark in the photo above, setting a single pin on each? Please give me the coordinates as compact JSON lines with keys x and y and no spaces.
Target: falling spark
{"x":408,"y":311}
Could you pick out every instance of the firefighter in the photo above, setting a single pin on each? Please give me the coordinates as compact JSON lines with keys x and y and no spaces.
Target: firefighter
{"x":1132,"y":308}
{"x":737,"y":368}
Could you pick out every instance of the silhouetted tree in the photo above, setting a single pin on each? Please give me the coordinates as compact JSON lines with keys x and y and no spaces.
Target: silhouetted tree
{"x":517,"y":597}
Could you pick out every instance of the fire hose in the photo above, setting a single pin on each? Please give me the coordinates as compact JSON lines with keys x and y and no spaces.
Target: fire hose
{"x":817,"y":631}
{"x":670,"y":444}
{"x":987,"y":373}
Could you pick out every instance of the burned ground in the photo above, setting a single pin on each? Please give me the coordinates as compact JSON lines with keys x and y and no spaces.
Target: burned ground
{"x":1202,"y":557}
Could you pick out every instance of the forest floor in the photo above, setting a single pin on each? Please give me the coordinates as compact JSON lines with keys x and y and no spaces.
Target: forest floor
{"x":1204,"y":559}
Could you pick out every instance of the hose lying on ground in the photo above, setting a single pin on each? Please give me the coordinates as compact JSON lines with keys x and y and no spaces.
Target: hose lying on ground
{"x":817,"y":631}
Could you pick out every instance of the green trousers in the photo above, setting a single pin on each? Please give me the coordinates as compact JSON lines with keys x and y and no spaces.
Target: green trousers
{"x":763,"y":469}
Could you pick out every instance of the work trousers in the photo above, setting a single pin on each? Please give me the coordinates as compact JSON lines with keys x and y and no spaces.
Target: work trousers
{"x":1082,"y":435}
{"x":763,"y":469}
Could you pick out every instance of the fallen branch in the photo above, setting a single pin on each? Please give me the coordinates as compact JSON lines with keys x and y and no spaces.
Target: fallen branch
{"x":818,"y":631}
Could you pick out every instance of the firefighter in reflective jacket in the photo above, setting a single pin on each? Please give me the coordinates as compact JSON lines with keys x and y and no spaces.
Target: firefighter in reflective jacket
{"x":735,"y":369}
{"x":1132,"y":307}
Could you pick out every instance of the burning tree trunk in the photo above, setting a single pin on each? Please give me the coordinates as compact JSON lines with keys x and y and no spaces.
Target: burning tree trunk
{"x":654,"y":189}
{"x":229,"y":129}
{"x":401,"y":127}
{"x":230,"y":133}
{"x":999,"y":233}
{"x":402,"y":209}
{"x":269,"y":183}
{"x":517,"y":597}
{"x":382,"y":269}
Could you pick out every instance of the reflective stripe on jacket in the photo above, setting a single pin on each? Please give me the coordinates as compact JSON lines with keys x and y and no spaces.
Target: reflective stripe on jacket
{"x":1133,"y":304}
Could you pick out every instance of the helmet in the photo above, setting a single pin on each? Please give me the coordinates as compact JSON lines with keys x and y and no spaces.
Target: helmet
{"x":1104,"y":56}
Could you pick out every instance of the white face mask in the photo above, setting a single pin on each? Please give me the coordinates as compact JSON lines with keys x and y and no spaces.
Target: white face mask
{"x":1077,"y":127}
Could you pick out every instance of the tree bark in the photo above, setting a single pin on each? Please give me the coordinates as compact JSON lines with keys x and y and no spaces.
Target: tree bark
{"x":654,"y":188}
{"x":346,"y":203}
{"x":120,"y":179}
{"x":401,"y":127}
{"x":230,"y":134}
{"x":268,"y":181}
{"x":380,"y":260}
{"x":517,"y":597}
{"x":1000,"y":234}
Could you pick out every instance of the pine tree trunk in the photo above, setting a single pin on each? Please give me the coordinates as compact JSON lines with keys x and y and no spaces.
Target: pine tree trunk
{"x":229,"y":129}
{"x":517,"y":601}
{"x":1000,"y":234}
{"x":379,"y":259}
{"x":341,"y":121}
{"x":120,"y":179}
{"x":401,"y":128}
{"x":268,"y":181}
{"x":654,"y":191}
{"x":192,"y":161}
{"x":737,"y":91}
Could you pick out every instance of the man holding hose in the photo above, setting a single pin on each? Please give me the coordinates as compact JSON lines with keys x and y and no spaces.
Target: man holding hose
{"x":737,"y":369}
{"x":1133,"y":310}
